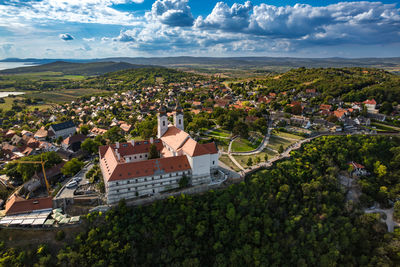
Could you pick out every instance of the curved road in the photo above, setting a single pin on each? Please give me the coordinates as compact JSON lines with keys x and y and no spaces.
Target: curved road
{"x":389,"y":217}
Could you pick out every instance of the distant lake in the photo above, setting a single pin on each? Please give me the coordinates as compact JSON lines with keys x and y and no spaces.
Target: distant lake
{"x":5,"y":94}
{"x":11,"y":65}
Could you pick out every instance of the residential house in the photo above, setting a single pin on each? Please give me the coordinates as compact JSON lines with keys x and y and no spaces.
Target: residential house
{"x":63,"y":129}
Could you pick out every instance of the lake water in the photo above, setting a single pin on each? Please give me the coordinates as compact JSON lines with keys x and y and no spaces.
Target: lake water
{"x":11,"y":65}
{"x":4,"y":94}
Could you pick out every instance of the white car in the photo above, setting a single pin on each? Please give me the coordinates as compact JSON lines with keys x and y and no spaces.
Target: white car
{"x":77,"y":179}
{"x":71,"y":184}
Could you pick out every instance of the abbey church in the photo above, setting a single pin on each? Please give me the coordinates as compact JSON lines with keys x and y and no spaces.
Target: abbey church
{"x":129,"y":173}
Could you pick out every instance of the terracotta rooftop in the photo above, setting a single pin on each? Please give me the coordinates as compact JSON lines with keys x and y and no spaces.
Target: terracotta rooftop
{"x":193,"y":149}
{"x":126,"y":149}
{"x":123,"y":171}
{"x":16,"y":204}
{"x":41,"y":133}
{"x":357,"y":165}
{"x":211,"y":147}
{"x":370,"y":102}
{"x":174,"y":137}
{"x":74,"y":139}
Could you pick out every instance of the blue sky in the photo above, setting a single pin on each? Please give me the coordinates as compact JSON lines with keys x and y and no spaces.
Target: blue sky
{"x":119,"y":28}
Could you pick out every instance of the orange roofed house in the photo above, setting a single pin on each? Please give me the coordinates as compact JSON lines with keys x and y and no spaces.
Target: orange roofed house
{"x":129,"y":173}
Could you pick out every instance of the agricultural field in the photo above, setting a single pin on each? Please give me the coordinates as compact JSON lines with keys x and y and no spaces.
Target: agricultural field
{"x":64,"y":95}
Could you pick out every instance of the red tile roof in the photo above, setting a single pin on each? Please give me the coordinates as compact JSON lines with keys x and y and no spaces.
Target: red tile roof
{"x":174,"y":137}
{"x":41,"y":133}
{"x":126,"y":149}
{"x":16,"y":204}
{"x":193,"y":149}
{"x":211,"y":147}
{"x":74,"y":139}
{"x":370,"y":102}
{"x":325,"y":107}
{"x":339,"y":113}
{"x":123,"y":171}
{"x":357,"y":165}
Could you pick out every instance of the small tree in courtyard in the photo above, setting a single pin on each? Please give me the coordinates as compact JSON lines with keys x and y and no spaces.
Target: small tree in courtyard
{"x":153,"y":152}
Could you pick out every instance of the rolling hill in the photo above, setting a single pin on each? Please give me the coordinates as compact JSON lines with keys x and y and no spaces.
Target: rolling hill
{"x":72,"y":68}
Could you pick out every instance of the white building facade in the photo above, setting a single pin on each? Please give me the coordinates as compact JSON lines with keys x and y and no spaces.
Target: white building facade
{"x":128,"y":172}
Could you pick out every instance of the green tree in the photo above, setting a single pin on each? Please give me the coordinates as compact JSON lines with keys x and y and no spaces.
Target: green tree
{"x":154,"y":154}
{"x":72,"y":167}
{"x":90,"y":146}
{"x":84,"y":129}
{"x":184,"y":181}
{"x":280,"y":149}
{"x":59,"y":140}
{"x":249,"y":162}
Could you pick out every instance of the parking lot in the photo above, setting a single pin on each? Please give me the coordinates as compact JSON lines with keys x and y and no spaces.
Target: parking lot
{"x":66,"y":192}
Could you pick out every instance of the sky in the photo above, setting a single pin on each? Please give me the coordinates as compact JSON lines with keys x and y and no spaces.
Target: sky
{"x":84,"y":29}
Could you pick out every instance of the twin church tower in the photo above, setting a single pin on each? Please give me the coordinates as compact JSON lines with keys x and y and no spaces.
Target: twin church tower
{"x":162,"y":119}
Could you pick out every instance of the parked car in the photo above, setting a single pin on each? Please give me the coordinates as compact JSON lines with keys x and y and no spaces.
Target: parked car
{"x":77,"y":179}
{"x":72,"y":184}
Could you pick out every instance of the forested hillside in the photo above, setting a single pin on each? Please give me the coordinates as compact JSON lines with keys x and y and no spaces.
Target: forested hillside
{"x":70,"y":68}
{"x":294,"y":214}
{"x":351,"y":84}
{"x":138,"y":78}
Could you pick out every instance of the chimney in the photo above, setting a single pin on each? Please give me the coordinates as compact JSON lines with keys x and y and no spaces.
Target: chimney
{"x":117,"y":144}
{"x":151,"y":140}
{"x":118,"y":155}
{"x":133,"y":142}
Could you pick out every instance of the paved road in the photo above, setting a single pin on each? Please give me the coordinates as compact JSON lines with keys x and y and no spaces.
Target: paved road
{"x":389,"y":217}
{"x":69,"y":192}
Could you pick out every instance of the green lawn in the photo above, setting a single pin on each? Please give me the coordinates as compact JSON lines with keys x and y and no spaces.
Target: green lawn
{"x":275,"y":142}
{"x":8,"y":102}
{"x":227,"y":161}
{"x":243,"y":145}
{"x":287,"y":135}
{"x":220,"y":133}
{"x":384,"y":127}
{"x":243,"y":159}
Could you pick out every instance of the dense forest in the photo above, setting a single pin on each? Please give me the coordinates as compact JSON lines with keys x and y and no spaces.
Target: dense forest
{"x":294,"y":214}
{"x":136,"y":78}
{"x":351,"y":84}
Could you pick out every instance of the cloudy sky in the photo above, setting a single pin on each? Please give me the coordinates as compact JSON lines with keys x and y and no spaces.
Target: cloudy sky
{"x":108,"y":28}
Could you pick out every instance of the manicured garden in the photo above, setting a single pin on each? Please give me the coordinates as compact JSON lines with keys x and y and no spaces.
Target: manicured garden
{"x":243,"y":145}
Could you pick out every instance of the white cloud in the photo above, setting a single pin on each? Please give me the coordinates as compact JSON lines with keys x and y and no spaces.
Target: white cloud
{"x":169,"y":28}
{"x":171,"y":13}
{"x":82,"y":11}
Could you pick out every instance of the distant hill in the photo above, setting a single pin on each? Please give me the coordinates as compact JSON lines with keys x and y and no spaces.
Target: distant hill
{"x":137,"y":78}
{"x":261,"y":62}
{"x":230,"y":66}
{"x":71,"y":68}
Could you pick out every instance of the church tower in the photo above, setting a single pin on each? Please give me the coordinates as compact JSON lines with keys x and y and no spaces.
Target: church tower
{"x":178,"y":117}
{"x":162,"y":119}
